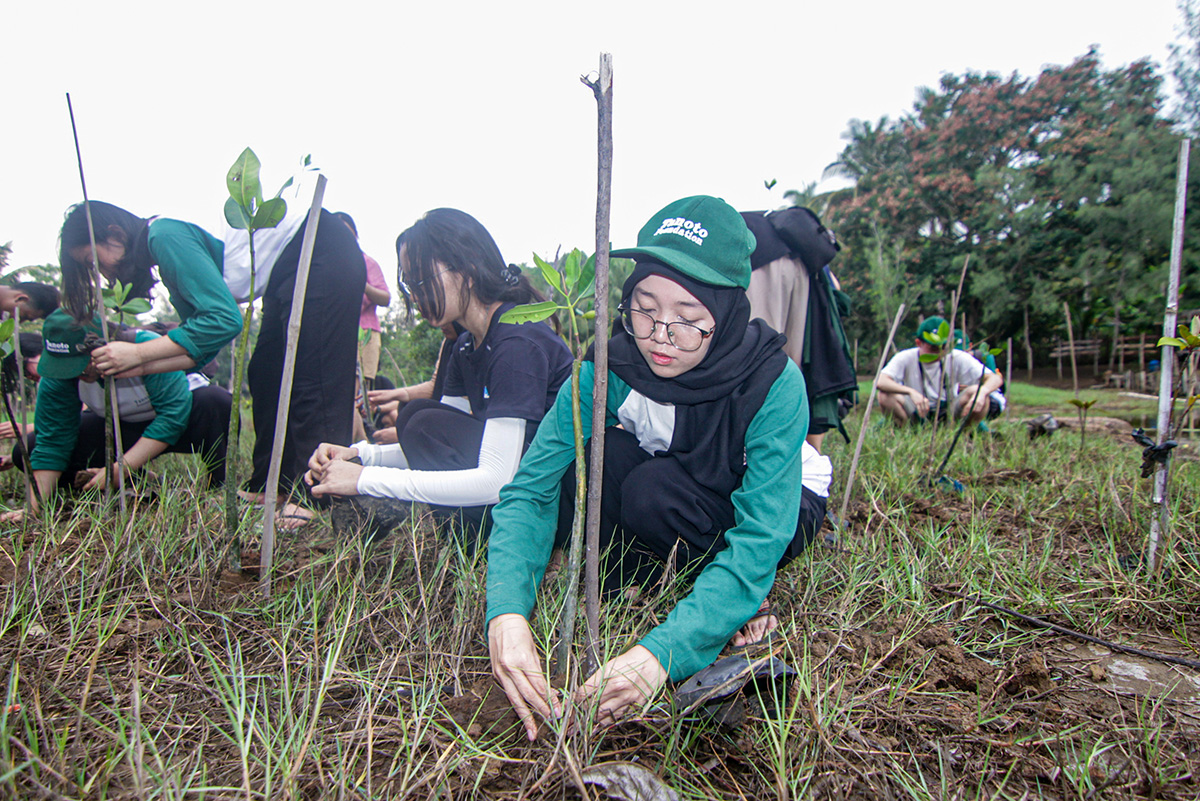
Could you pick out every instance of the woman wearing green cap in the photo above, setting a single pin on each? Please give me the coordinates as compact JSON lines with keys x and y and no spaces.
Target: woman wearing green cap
{"x":705,"y":467}
{"x":159,"y":413}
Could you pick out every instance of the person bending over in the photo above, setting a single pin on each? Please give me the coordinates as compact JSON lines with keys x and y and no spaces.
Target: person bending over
{"x":158,"y":414}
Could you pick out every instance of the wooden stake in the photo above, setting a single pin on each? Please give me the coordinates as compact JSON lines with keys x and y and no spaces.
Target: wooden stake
{"x":115,"y":456}
{"x":862,"y":430}
{"x":270,"y":493}
{"x":1008,"y":371}
{"x":602,"y":88}
{"x":1071,"y":346}
{"x":1159,"y":523}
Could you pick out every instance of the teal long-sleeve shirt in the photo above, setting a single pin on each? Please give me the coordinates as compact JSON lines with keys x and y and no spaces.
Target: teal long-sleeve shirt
{"x":191,"y":265}
{"x":56,"y":417}
{"x":729,"y":590}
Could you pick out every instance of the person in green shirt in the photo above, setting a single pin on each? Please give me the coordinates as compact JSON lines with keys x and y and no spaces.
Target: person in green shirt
{"x":706,"y":420}
{"x":158,"y":413}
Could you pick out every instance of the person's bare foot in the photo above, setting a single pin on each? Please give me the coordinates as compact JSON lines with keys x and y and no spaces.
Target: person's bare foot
{"x":756,"y":628}
{"x":256,"y":498}
{"x":293,"y":517}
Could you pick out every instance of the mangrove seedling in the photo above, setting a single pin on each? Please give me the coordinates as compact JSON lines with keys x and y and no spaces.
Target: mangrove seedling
{"x":574,"y":282}
{"x":245,"y":210}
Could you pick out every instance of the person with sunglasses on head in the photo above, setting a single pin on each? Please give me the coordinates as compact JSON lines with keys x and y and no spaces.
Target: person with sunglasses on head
{"x":456,"y":450}
{"x":704,"y":469}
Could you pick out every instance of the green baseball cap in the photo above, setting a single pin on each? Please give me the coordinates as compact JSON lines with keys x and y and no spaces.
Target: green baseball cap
{"x":930,"y":325}
{"x":701,"y":236}
{"x":65,"y":352}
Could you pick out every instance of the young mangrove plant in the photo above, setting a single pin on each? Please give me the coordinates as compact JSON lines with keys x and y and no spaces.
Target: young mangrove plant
{"x":574,"y":282}
{"x":245,"y":210}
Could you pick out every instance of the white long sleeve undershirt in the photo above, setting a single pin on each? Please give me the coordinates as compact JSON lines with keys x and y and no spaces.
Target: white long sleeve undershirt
{"x":386,"y":473}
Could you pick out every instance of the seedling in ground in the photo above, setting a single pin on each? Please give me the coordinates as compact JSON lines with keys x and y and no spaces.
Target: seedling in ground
{"x":575,"y":283}
{"x":245,"y":210}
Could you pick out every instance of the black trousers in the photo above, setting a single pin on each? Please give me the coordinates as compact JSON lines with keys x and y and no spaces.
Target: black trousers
{"x":205,"y":435}
{"x":322,"y":403}
{"x":435,"y":436}
{"x":652,"y":511}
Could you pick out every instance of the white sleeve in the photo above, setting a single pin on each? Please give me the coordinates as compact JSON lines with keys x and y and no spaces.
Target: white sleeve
{"x":457,"y":402}
{"x":380,"y":455}
{"x":499,"y":455}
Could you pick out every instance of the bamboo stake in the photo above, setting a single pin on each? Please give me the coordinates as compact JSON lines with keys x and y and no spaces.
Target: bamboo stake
{"x":267,"y":551}
{"x":1007,"y":370}
{"x":112,"y":423}
{"x":602,"y":88}
{"x":1071,"y":345}
{"x":1159,"y":523}
{"x":862,"y":430}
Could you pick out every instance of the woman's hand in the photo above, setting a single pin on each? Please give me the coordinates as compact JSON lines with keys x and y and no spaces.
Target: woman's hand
{"x":326,"y":453}
{"x":8,"y":432}
{"x":518,"y":670}
{"x":386,"y":436}
{"x":622,"y":682}
{"x":116,"y":357}
{"x":378,"y":396}
{"x":336,"y":478}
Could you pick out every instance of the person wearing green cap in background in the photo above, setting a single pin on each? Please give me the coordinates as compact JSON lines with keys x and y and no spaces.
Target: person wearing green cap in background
{"x":909,"y":388}
{"x":157,"y":412}
{"x":703,"y":471}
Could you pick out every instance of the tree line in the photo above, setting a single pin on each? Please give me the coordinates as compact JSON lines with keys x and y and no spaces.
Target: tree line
{"x":1058,"y":188}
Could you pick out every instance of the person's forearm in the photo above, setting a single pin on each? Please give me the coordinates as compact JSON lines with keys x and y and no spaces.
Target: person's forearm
{"x":380,"y":297}
{"x":142,"y":451}
{"x":417,"y":391}
{"x":167,"y":365}
{"x":156,"y":350}
{"x":890,"y":385}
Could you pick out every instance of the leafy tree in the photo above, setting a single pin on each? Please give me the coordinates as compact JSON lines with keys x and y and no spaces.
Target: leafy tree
{"x":1184,"y":59}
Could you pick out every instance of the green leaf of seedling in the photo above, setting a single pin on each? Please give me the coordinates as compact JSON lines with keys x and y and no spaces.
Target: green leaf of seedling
{"x":530,"y":312}
{"x":269,"y":214}
{"x":996,"y":351}
{"x":6,"y":331}
{"x":136,"y":306}
{"x":770,"y":184}
{"x":571,"y":269}
{"x":585,"y":287}
{"x":307,"y":160}
{"x":1195,"y":327}
{"x":1171,"y":342}
{"x":1081,"y":404}
{"x":943,"y":331}
{"x":928,"y":358}
{"x":242,"y":179}
{"x":548,"y":272}
{"x":286,"y":184}
{"x":236,"y":216}
{"x":1192,"y":341}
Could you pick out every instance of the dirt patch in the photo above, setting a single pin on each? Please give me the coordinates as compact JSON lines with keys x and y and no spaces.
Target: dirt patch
{"x":485,"y":714}
{"x":996,"y":477}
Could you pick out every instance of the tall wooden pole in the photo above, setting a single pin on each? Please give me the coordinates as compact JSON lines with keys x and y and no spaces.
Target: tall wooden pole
{"x":270,"y":493}
{"x":1158,"y":524}
{"x":602,"y":88}
{"x":862,"y":430}
{"x":112,"y":423}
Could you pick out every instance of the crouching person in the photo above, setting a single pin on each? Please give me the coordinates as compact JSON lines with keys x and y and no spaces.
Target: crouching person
{"x":159,"y":413}
{"x":704,"y":446}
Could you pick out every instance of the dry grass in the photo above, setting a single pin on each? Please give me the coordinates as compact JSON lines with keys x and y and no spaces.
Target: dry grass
{"x":138,"y":666}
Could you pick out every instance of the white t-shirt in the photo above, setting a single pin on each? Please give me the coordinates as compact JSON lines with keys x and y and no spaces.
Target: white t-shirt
{"x":907,"y":368}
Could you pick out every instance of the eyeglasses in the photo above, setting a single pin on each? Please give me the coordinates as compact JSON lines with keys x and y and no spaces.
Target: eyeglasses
{"x":684,"y":336}
{"x":413,"y":287}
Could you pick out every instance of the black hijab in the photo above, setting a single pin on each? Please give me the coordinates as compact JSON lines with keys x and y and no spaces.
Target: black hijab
{"x":739,"y":346}
{"x":717,"y":399}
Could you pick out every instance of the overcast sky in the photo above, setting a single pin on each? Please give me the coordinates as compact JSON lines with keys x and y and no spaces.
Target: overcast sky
{"x":410,"y":106}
